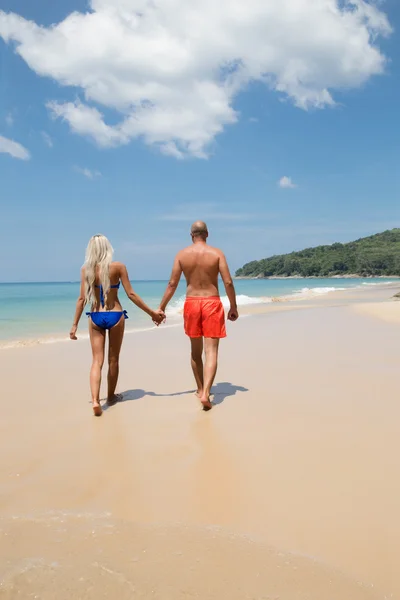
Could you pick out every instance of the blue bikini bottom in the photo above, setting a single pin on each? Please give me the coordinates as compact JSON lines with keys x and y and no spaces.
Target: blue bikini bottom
{"x":107,"y":319}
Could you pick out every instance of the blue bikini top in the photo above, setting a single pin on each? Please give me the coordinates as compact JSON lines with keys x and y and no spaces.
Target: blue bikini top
{"x":114,"y":287}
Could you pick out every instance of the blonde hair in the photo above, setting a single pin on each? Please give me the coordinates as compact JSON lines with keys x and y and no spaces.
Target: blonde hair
{"x":99,"y":253}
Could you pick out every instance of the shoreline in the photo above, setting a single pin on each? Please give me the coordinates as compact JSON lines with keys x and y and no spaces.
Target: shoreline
{"x":82,"y":336}
{"x":284,"y":277}
{"x":291,"y":301}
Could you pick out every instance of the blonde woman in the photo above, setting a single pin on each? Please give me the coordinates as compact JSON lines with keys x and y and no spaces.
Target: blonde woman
{"x":100,"y":281}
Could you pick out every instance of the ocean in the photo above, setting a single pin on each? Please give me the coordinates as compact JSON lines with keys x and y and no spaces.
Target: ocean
{"x":44,"y":311}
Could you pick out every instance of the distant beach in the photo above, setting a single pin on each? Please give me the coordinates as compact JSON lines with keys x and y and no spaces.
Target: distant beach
{"x":42,"y":312}
{"x":350,"y":276}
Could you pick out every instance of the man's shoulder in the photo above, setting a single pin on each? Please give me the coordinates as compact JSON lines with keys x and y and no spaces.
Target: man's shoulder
{"x":216,"y":250}
{"x":183,"y":251}
{"x":189,"y":250}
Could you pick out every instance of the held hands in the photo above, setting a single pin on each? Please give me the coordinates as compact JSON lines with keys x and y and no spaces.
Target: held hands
{"x":72,"y":333}
{"x":158,"y":317}
{"x":233,"y":314}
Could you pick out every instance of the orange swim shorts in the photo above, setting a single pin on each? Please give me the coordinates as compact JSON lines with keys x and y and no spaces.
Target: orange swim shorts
{"x":204,"y":317}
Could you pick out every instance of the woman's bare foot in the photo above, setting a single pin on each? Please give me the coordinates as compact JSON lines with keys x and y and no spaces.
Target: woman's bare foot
{"x":97,"y":410}
{"x":206,"y":402}
{"x":199,"y":394}
{"x":114,"y":399}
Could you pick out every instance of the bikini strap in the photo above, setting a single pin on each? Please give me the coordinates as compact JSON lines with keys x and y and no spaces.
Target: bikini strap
{"x":101,"y":295}
{"x":115,"y":287}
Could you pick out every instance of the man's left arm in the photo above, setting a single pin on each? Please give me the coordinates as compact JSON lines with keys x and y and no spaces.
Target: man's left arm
{"x":172,"y":284}
{"x":233,"y":314}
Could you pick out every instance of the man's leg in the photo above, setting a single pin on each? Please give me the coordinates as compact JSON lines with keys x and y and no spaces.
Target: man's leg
{"x":211,"y":346}
{"x":197,"y":364}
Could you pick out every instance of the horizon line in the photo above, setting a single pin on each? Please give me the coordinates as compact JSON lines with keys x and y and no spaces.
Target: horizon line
{"x":20,"y":282}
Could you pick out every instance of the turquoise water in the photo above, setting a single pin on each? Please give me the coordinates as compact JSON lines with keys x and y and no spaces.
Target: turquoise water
{"x":44,"y":310}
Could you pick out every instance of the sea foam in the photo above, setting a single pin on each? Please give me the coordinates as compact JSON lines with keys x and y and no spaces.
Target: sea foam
{"x":176,"y":307}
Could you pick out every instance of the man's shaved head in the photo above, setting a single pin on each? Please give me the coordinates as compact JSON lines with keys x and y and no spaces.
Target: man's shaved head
{"x":199,"y":229}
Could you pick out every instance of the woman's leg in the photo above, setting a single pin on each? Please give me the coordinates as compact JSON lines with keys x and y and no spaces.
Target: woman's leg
{"x":116,"y":335}
{"x":97,"y":340}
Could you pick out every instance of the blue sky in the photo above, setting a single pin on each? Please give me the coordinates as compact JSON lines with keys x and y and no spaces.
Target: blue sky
{"x":91,"y":156}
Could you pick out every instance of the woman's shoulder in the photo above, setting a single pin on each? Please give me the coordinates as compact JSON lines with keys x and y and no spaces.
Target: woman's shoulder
{"x":117,"y":265}
{"x":116,"y":268}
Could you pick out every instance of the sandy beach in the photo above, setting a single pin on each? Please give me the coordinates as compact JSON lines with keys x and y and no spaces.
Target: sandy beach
{"x":289,"y":488}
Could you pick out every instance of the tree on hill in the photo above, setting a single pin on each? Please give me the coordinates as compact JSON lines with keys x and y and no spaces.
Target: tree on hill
{"x":375,"y":255}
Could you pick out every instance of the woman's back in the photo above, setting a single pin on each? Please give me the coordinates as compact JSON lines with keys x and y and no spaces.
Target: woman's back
{"x":111,"y":300}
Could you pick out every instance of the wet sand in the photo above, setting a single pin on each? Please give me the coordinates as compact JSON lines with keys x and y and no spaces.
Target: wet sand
{"x":388,"y":311}
{"x":288,"y":488}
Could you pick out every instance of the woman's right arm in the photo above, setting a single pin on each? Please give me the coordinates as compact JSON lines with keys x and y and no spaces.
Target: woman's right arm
{"x":157,"y":316}
{"x":80,"y":305}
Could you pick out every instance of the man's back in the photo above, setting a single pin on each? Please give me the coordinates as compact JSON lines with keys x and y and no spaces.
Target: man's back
{"x":203,"y":313}
{"x":200,"y":264}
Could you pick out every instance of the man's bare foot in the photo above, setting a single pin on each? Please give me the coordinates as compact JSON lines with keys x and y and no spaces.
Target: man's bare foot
{"x":114,"y":399}
{"x":206,"y":403}
{"x":97,"y":410}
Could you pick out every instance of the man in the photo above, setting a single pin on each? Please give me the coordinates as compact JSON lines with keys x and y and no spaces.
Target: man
{"x":204,"y":315}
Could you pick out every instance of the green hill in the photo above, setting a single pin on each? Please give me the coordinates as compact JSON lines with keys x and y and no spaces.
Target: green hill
{"x":376,"y":255}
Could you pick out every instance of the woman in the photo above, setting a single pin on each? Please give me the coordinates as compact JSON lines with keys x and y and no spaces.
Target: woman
{"x":100,"y":281}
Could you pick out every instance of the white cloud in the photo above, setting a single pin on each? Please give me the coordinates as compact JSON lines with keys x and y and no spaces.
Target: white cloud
{"x":47,"y":139}
{"x":286,"y":183}
{"x":170,"y":149}
{"x":171,"y":70}
{"x":88,"y":173}
{"x":88,"y":121}
{"x":9,"y":120}
{"x":15,"y":149}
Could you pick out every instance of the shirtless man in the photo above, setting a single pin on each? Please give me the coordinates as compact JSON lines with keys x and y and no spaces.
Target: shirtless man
{"x":204,"y":315}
